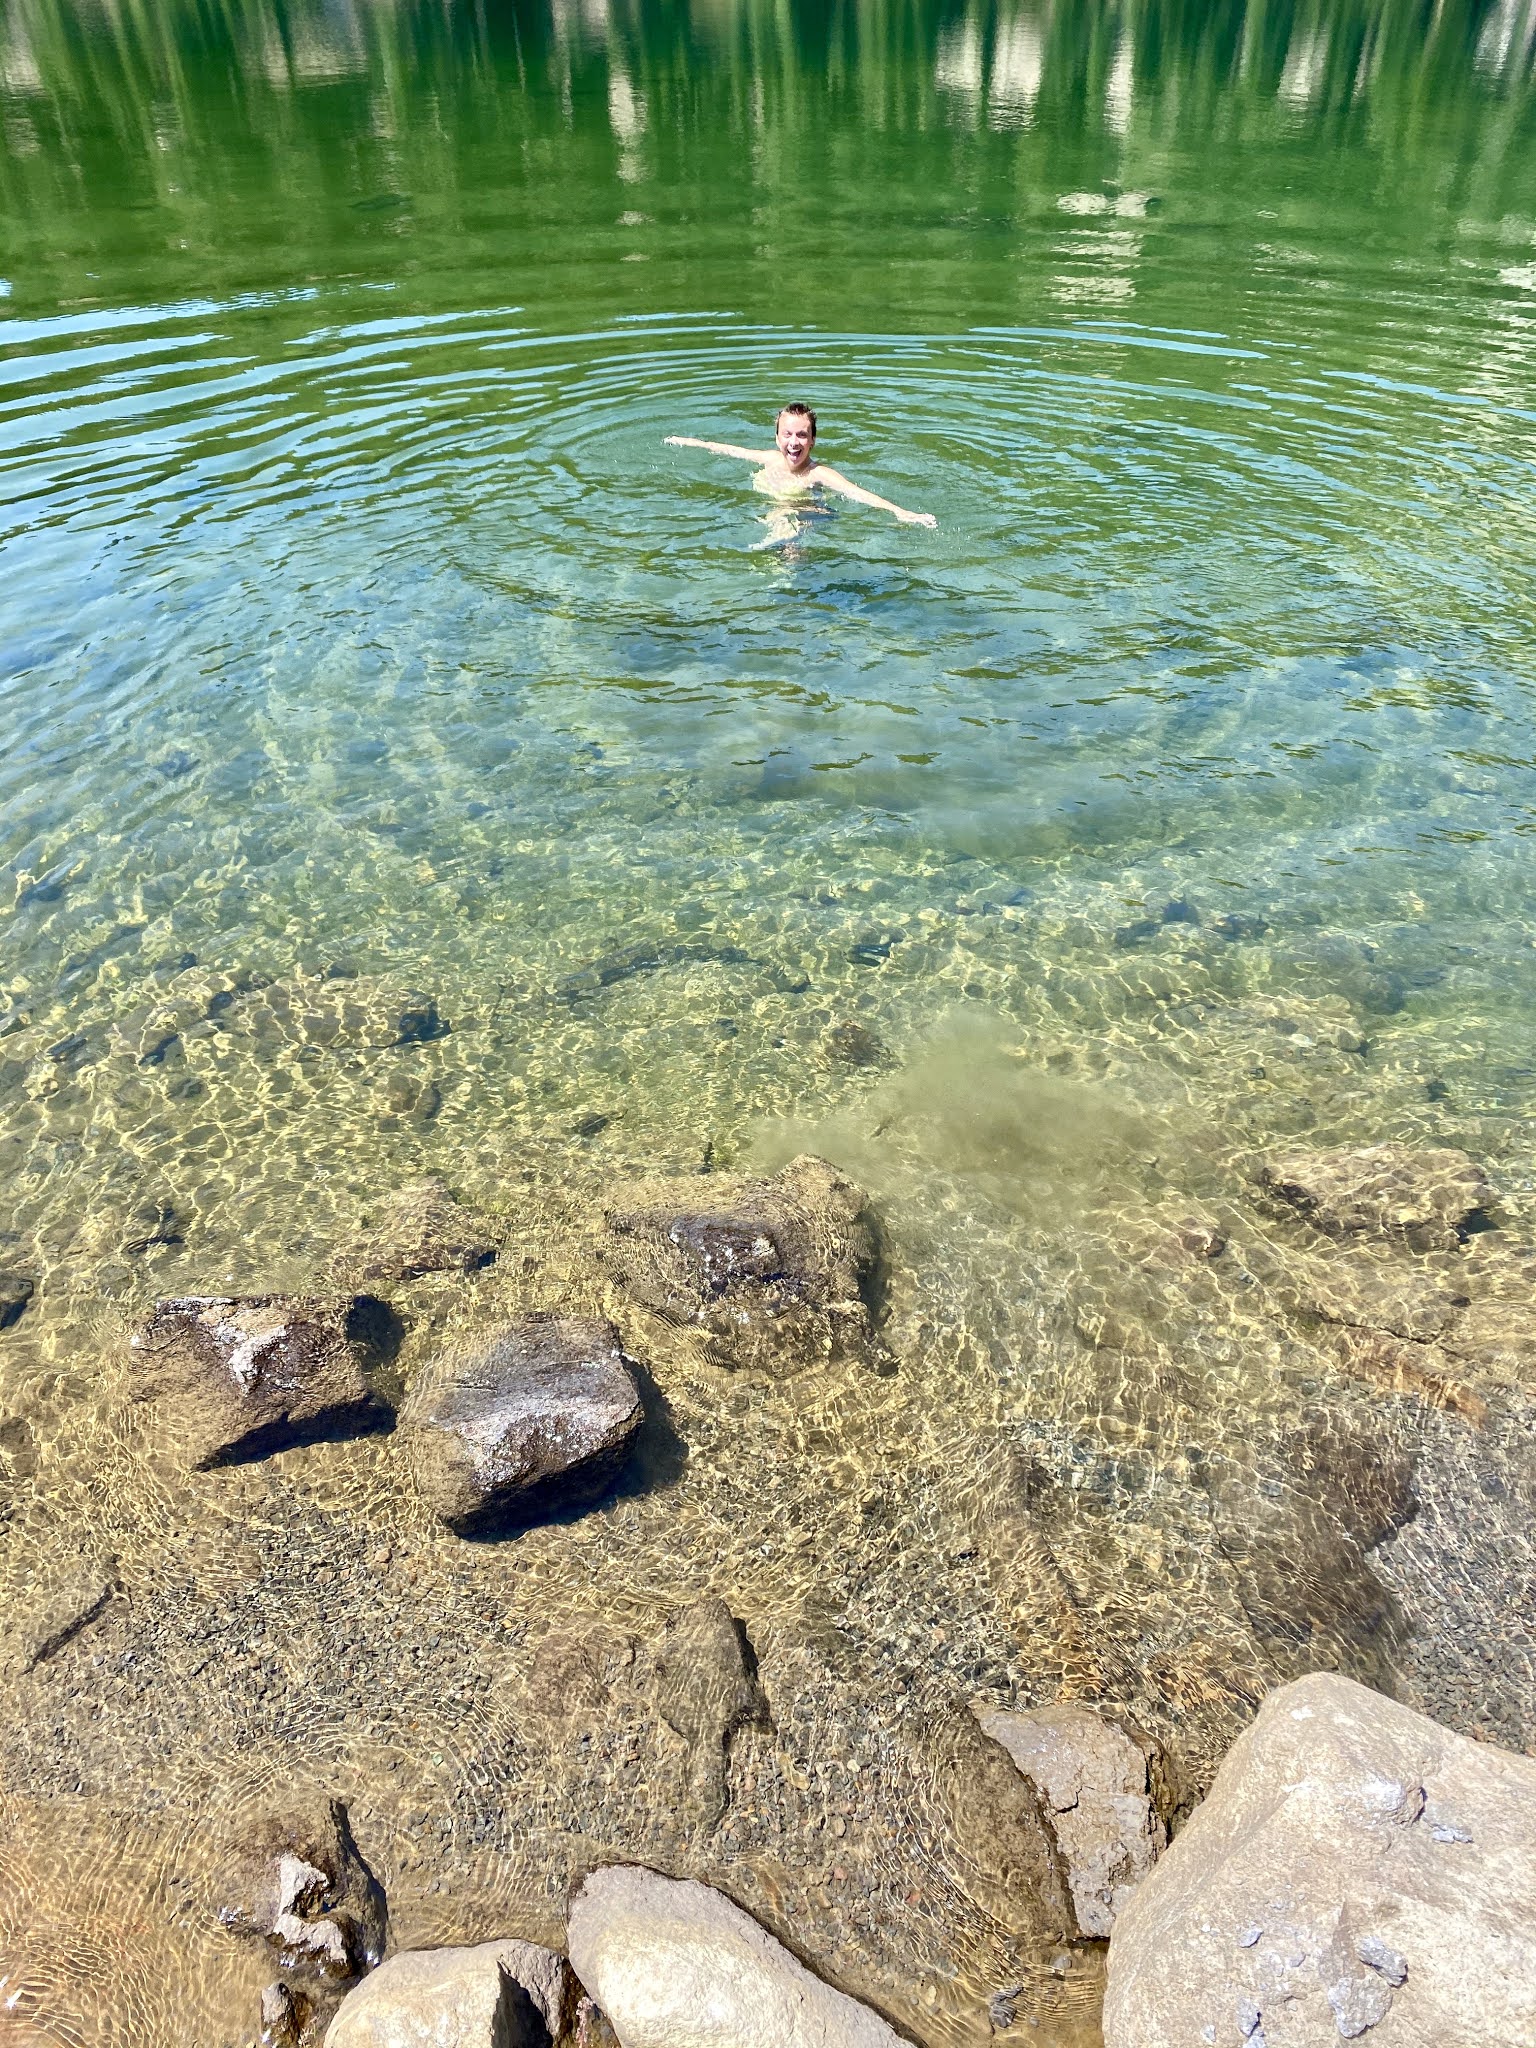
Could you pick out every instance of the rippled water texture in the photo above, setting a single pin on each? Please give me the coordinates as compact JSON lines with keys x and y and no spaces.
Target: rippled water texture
{"x":367,"y":657}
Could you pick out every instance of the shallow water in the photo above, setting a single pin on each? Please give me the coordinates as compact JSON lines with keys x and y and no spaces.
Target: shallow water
{"x":363,"y":644}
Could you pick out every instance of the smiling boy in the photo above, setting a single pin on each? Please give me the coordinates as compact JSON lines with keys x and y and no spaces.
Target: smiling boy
{"x":790,"y":466}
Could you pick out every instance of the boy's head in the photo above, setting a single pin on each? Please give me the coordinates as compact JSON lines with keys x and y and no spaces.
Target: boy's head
{"x":794,"y":434}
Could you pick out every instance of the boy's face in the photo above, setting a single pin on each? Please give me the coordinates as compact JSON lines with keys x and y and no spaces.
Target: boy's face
{"x":795,"y":438}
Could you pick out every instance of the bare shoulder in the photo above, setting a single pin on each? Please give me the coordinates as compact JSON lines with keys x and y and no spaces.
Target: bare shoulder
{"x":824,"y":473}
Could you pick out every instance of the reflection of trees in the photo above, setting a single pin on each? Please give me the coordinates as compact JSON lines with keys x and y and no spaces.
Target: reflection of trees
{"x":207,"y":125}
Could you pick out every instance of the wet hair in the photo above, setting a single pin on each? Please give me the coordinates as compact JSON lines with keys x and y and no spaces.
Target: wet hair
{"x":803,"y":410}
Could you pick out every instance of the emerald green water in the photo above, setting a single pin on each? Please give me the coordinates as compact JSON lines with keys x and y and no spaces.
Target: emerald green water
{"x":358,"y":632}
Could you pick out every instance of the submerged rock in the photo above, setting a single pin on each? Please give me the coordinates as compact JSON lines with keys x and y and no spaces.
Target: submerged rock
{"x":1003,"y":1853}
{"x":535,"y":1417}
{"x":420,"y":1229}
{"x":1429,"y":1200}
{"x":1095,"y":1782}
{"x":675,"y":1965}
{"x":777,"y":1273}
{"x":498,"y":1994}
{"x":58,"y":1612}
{"x":243,"y":1376}
{"x":15,"y":1292}
{"x":708,"y":1691}
{"x":298,"y":1881}
{"x":1298,"y":1539}
{"x":1354,"y":1863}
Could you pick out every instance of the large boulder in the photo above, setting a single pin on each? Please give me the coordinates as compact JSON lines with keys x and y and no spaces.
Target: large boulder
{"x":499,"y":1994}
{"x":777,"y":1274}
{"x":675,"y":1965}
{"x":1095,"y":1781}
{"x":239,"y":1377}
{"x":533,"y":1418}
{"x":1355,"y":1866}
{"x":1428,"y":1200}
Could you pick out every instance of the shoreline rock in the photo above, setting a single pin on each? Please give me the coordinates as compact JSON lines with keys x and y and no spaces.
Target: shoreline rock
{"x":674,"y":1964}
{"x":1353,"y":1860}
{"x":496,"y":1994}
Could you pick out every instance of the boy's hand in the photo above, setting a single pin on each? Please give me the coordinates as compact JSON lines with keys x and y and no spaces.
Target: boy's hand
{"x":917,"y":519}
{"x":681,"y":441}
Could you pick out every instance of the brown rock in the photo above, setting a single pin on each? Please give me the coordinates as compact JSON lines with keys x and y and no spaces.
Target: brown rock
{"x":708,"y":1691}
{"x":242,"y":1377}
{"x":420,"y":1229}
{"x":1427,"y":1200}
{"x":534,"y":1418}
{"x":15,"y":1292}
{"x":1001,"y":1849}
{"x":1094,"y":1779}
{"x":298,"y":1881}
{"x":1298,"y":1537}
{"x":778,"y":1273}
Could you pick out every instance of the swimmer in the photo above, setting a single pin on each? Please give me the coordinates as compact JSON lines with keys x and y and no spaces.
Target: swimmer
{"x":790,"y":466}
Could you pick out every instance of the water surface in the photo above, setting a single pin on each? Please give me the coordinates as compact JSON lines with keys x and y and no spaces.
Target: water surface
{"x":1168,"y":802}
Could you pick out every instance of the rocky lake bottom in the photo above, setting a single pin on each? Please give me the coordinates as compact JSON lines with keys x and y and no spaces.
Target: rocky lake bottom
{"x":1157,"y":1397}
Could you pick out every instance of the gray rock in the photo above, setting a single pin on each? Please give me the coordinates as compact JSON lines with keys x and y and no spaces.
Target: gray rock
{"x":675,"y":1965}
{"x":708,"y":1691}
{"x":536,"y":1417}
{"x":1323,"y":1829}
{"x":1427,"y":1200}
{"x":15,"y":1292}
{"x":242,"y":1377}
{"x":498,"y":1994}
{"x":777,"y":1274}
{"x":1095,"y":1784}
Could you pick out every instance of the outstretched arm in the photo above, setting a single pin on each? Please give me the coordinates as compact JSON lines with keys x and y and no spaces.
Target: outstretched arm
{"x":719,"y":447}
{"x":834,"y":480}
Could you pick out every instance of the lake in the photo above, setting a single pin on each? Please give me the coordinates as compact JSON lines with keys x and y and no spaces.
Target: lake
{"x":413,"y":767}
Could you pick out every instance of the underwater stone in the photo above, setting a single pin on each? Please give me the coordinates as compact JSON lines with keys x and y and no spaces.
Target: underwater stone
{"x":851,"y":1044}
{"x":240,"y":1377}
{"x":1000,"y":1848}
{"x":708,"y":1691}
{"x":15,"y":1292}
{"x":1095,"y":1780}
{"x":536,"y":1417}
{"x":298,"y":1881}
{"x":776,"y":1273}
{"x":419,"y":1229}
{"x":1319,"y":1829}
{"x":1429,"y":1199}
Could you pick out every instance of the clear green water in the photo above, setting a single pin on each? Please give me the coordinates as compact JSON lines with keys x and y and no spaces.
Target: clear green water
{"x":354,"y":615}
